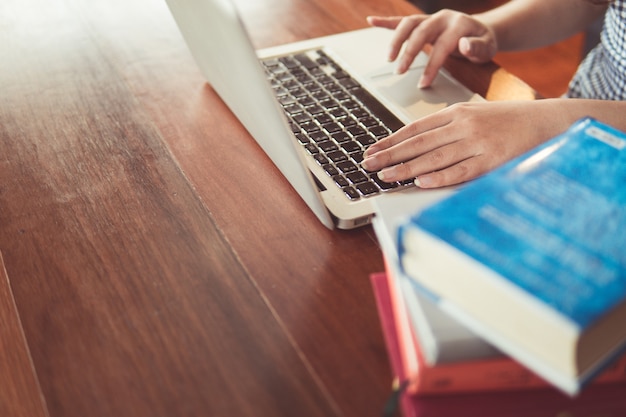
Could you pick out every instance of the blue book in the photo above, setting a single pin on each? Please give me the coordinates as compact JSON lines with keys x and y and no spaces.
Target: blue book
{"x":532,"y":256}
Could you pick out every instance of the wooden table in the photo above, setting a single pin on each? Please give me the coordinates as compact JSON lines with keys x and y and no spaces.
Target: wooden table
{"x":149,"y":270}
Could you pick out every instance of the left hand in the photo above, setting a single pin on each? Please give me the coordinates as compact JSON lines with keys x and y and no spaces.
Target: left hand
{"x":463,"y":141}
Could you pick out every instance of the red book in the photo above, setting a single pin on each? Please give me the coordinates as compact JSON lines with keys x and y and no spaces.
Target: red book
{"x":490,"y":374}
{"x":605,"y":399}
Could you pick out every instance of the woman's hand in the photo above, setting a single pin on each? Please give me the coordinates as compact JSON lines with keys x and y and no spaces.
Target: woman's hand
{"x":449,"y":32}
{"x":464,"y":141}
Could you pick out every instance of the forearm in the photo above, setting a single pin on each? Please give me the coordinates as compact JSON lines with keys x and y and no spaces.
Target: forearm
{"x":526,"y":24}
{"x":606,"y":111}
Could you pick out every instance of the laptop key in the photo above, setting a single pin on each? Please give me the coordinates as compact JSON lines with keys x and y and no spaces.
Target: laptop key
{"x":351,"y":147}
{"x":332,"y":127}
{"x":286,"y":100}
{"x":299,"y":93}
{"x":307,"y":62}
{"x":331,"y":170}
{"x":321,"y":159}
{"x":325,"y":79}
{"x":351,"y":104}
{"x":351,"y":193}
{"x":329,"y":104}
{"x":341,"y":137}
{"x":349,"y":83}
{"x":341,"y":181}
{"x":357,"y":157}
{"x":347,"y":166}
{"x":367,"y":188}
{"x":302,"y":118}
{"x":360,"y":113}
{"x":314,"y":88}
{"x":292,"y":109}
{"x":357,"y":177}
{"x":379,"y":131}
{"x":294,"y":128}
{"x":324,"y":119}
{"x":311,"y":148}
{"x":318,"y":136}
{"x":306,"y":101}
{"x":339,"y":112}
{"x":315,"y":109}
{"x":341,"y":95}
{"x":365,"y":140}
{"x":370,"y":123}
{"x":289,"y":62}
{"x":337,"y":156}
{"x":347,"y":122}
{"x":310,"y":127}
{"x":356,"y":131}
{"x":327,"y":146}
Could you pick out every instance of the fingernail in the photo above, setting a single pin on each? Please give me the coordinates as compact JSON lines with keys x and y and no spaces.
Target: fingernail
{"x":422,"y":82}
{"x":401,"y":68}
{"x":387,"y":174}
{"x":423,"y":182}
{"x":370,"y":151}
{"x":369,"y":163}
{"x":464,"y":46}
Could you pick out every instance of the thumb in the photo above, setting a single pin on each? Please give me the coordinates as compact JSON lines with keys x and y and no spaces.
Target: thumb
{"x":476,"y":49}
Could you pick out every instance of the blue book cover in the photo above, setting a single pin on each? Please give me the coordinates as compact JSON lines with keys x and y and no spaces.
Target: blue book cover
{"x":551,"y":222}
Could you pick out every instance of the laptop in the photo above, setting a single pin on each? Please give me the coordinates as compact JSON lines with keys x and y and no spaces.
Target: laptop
{"x":281,"y":109}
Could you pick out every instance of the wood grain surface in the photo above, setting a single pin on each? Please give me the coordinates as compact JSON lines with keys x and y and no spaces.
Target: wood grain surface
{"x":158,"y":262}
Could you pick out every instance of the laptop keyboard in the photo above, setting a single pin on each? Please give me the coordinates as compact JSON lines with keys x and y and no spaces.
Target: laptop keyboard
{"x":334,"y":118}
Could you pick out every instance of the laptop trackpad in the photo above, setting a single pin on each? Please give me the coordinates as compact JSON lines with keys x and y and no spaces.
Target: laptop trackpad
{"x":401,"y":93}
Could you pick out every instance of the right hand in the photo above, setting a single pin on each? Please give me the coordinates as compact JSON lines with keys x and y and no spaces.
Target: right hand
{"x":449,"y":32}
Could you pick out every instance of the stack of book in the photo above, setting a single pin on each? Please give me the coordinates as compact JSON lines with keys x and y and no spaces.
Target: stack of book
{"x":507,"y":296}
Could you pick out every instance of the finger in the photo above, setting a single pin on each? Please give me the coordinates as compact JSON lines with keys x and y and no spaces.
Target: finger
{"x":442,"y":30}
{"x":442,"y":49}
{"x":408,"y":148}
{"x":407,"y":34}
{"x":429,"y":150}
{"x":458,"y":173}
{"x":395,"y":138}
{"x":387,"y":22}
{"x":434,"y":160}
{"x":477,"y":49}
{"x":420,"y":126}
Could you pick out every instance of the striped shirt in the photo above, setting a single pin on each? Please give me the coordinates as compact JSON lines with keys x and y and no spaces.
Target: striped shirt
{"x":602,"y":74}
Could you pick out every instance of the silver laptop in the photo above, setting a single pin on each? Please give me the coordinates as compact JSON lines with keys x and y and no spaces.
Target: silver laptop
{"x":314,"y":106}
